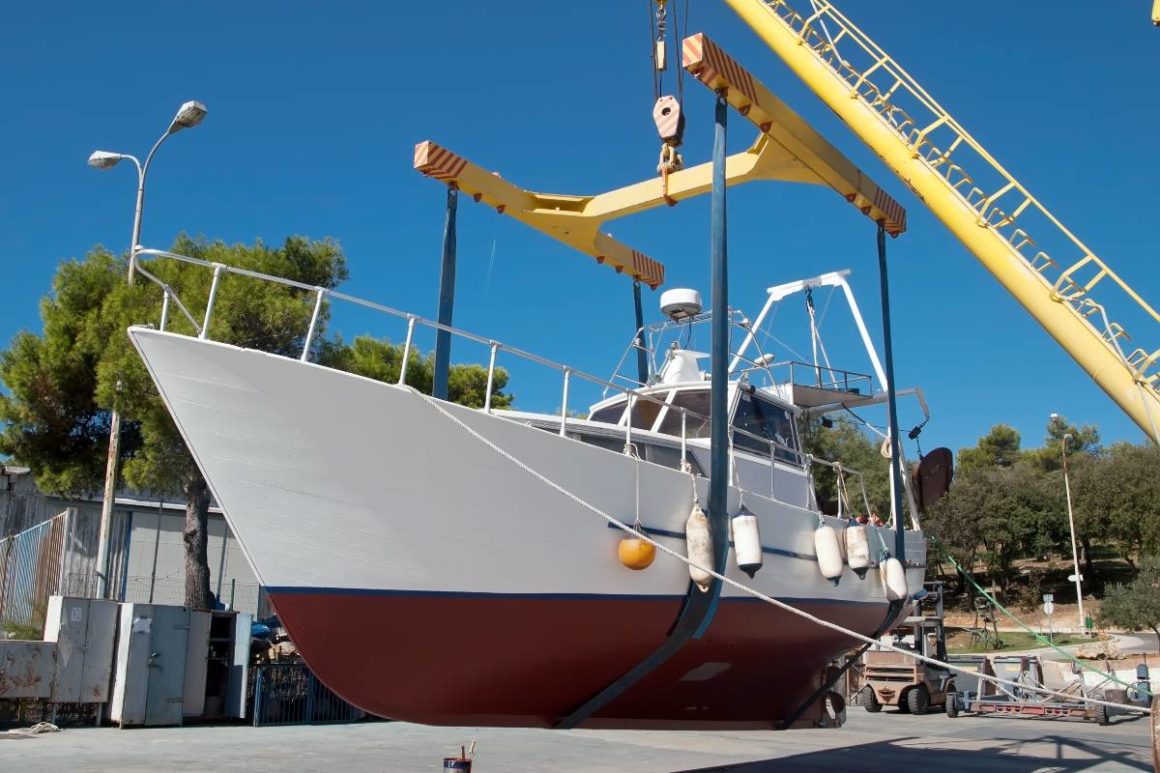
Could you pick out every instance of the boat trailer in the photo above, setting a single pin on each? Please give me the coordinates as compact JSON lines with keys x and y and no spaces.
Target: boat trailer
{"x":995,"y":698}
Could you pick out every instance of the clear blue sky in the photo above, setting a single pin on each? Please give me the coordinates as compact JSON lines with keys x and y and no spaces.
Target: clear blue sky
{"x":314,"y":113}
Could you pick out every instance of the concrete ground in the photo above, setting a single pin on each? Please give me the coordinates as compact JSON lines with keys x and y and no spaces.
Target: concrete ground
{"x":882,"y":742}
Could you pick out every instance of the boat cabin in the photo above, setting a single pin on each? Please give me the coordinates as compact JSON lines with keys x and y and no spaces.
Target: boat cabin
{"x":669,"y":421}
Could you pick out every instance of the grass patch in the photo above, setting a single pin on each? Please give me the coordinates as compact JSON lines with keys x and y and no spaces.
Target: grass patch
{"x":959,"y":642}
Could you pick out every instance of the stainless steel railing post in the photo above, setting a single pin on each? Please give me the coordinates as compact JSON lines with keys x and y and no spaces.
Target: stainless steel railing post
{"x":407,"y":350}
{"x":313,"y":324}
{"x":564,"y":405}
{"x":217,"y":275}
{"x":490,"y":376}
{"x":630,"y":406}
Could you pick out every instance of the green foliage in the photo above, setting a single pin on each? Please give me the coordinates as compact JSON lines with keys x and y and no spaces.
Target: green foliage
{"x":847,"y":444}
{"x":1009,"y":504}
{"x":1135,"y":605}
{"x":1084,"y":442}
{"x":63,"y":384}
{"x":33,"y":630}
{"x":1012,"y":641}
{"x":51,"y":417}
{"x":1117,"y":496}
{"x":995,"y":515}
{"x":381,"y":360}
{"x":998,"y":448}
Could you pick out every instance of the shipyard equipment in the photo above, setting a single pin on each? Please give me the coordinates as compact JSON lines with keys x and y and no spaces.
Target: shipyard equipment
{"x":891,"y":678}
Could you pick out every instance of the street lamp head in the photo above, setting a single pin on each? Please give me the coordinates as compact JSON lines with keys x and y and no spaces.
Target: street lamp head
{"x":103,"y":159}
{"x":1054,"y":417}
{"x":188,"y":115}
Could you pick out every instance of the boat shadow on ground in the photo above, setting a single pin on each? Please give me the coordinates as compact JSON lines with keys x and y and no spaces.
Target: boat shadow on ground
{"x":995,"y":755}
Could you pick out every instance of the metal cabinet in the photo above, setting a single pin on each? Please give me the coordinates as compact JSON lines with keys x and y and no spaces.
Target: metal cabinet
{"x":26,"y":669}
{"x":217,"y":662}
{"x":149,"y":676}
{"x":196,"y":664}
{"x":231,"y":650}
{"x":84,"y":631}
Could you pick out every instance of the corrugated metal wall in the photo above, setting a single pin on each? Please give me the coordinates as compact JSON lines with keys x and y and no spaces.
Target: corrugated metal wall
{"x":22,"y":506}
{"x":146,"y":550}
{"x":154,"y":569}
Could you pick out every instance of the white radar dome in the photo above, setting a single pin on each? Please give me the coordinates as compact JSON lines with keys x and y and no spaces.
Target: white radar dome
{"x":680,"y":304}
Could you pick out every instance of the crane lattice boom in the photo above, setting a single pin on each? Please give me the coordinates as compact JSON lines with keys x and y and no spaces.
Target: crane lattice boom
{"x":1049,"y":271}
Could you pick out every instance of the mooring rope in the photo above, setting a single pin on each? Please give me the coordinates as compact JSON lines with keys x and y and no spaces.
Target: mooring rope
{"x":745,"y":588}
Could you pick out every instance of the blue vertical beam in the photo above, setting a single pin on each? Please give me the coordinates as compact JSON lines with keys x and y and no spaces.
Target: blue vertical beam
{"x":891,"y":401}
{"x":446,"y":298}
{"x":699,"y":607}
{"x":641,"y":353}
{"x":719,"y":362}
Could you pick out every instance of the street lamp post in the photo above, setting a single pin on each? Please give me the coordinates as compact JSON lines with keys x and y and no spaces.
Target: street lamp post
{"x":188,"y":115}
{"x":1067,"y":438}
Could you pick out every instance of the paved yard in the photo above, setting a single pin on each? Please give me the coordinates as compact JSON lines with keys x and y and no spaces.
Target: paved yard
{"x":884,"y":742}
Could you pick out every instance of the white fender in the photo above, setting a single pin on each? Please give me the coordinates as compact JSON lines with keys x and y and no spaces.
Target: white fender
{"x":857,"y":548}
{"x":829,"y":553}
{"x":747,"y":542}
{"x":699,"y":547}
{"x":893,"y":579}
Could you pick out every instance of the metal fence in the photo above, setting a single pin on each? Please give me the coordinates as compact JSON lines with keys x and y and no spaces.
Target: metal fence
{"x":32,"y":568}
{"x":241,"y":596}
{"x":289,"y":694}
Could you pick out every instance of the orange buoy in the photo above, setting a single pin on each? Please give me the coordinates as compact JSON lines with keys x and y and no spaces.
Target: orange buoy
{"x":635,"y":553}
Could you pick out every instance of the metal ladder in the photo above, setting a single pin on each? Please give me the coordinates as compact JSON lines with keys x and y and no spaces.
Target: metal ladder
{"x":972,"y":179}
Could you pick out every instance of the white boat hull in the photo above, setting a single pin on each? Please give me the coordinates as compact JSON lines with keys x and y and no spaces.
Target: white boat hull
{"x":424,"y":576}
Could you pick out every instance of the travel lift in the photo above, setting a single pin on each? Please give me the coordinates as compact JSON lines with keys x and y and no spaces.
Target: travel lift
{"x":787,"y":149}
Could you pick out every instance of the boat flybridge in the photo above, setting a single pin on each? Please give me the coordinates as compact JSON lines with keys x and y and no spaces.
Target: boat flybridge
{"x":661,"y":412}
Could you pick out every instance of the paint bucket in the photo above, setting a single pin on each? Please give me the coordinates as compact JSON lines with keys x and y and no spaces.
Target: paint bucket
{"x":458,"y":764}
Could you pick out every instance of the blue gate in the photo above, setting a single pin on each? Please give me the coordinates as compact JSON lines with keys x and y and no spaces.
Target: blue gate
{"x":290,"y":694}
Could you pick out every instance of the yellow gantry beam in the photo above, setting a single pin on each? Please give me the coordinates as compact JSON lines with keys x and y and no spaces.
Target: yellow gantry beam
{"x":559,"y":216}
{"x":1063,"y":309}
{"x":787,"y":150}
{"x":705,"y":60}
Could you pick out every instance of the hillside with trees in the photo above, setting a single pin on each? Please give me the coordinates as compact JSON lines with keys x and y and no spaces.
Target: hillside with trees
{"x":1005,"y":515}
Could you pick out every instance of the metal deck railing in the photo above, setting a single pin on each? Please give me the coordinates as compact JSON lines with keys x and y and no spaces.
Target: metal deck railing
{"x":318,"y":297}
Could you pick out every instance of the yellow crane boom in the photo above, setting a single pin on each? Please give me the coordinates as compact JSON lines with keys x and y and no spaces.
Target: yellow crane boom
{"x":1032,"y":254}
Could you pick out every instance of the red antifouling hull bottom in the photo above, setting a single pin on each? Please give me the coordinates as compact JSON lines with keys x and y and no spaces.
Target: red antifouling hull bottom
{"x":495,"y":660}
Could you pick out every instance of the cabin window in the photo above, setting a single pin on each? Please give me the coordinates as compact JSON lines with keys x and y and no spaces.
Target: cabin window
{"x":767,"y":421}
{"x":697,"y":403}
{"x":607,"y":443}
{"x":664,"y":456}
{"x":645,"y":412}
{"x":609,"y":414}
